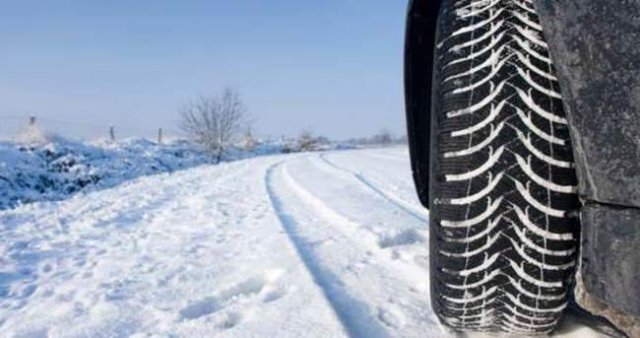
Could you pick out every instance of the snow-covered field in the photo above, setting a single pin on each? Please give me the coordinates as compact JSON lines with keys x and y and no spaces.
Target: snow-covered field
{"x":304,"y":245}
{"x":43,"y":167}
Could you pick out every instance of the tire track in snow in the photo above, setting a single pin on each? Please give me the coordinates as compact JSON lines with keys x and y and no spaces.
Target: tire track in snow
{"x":342,"y":303}
{"x":385,"y":237}
{"x":364,"y":234}
{"x":389,"y":197}
{"x":390,"y":302}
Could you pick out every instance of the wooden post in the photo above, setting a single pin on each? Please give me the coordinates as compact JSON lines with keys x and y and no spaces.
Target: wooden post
{"x":160,"y":136}
{"x":32,"y":120}
{"x":112,"y":133}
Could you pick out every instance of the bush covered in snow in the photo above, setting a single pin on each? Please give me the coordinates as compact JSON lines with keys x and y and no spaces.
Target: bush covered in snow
{"x":37,"y":166}
{"x":51,"y":168}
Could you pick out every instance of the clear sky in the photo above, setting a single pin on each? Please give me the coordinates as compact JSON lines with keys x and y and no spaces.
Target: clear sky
{"x":332,"y":66}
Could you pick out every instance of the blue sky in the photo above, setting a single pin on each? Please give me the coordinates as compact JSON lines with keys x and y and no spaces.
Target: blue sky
{"x":332,"y":66}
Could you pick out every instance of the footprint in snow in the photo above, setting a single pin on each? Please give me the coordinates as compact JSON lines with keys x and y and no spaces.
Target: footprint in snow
{"x":230,"y":320}
{"x":406,"y":237}
{"x":46,"y":268}
{"x":391,"y":317}
{"x":263,"y":288}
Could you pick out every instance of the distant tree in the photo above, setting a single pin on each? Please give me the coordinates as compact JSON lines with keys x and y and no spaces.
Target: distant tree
{"x":307,"y":142}
{"x":288,"y":144}
{"x":213,"y":121}
{"x":323,"y":140}
{"x":384,"y":137}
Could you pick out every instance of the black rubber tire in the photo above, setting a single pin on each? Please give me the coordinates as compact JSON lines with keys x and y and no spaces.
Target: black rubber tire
{"x":504,"y":230}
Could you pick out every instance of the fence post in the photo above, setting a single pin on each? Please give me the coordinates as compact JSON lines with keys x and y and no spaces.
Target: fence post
{"x":160,"y":136}
{"x":112,"y":133}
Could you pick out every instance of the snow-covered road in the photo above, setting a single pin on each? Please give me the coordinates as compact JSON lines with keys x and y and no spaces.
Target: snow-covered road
{"x":306,"y":245}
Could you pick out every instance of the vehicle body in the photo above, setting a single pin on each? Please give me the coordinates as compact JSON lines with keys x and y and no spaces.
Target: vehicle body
{"x":594,"y":45}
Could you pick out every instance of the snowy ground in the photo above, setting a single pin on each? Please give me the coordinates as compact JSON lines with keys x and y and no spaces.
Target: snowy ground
{"x":304,"y":245}
{"x":37,"y":166}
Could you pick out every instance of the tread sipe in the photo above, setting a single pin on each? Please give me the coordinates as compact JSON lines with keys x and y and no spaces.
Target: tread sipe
{"x":503,"y":186}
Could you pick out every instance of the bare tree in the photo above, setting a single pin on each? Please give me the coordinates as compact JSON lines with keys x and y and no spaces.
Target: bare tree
{"x":307,"y":142}
{"x":213,"y":121}
{"x":384,"y":138}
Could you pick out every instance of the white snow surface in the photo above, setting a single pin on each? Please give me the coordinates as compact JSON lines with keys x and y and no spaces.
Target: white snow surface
{"x":329,"y":244}
{"x":38,"y":166}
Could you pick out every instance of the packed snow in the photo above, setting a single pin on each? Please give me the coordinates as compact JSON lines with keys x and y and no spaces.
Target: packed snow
{"x":325,"y":244}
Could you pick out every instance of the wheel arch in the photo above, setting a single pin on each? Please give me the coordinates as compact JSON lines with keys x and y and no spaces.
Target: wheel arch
{"x":420,"y":38}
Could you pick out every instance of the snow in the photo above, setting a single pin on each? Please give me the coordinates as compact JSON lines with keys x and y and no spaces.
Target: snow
{"x":38,"y":166}
{"x":326,"y":244}
{"x":53,"y":168}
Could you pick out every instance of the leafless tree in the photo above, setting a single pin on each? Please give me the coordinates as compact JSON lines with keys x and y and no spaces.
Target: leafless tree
{"x":307,"y":142}
{"x":384,"y":137}
{"x":213,"y":121}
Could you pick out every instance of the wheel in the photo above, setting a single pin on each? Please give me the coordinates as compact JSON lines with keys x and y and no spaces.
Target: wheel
{"x":504,"y":230}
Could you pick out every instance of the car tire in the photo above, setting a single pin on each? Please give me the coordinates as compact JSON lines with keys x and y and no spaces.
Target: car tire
{"x":504,"y":227}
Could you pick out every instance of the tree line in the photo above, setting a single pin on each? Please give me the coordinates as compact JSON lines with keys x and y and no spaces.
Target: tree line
{"x":215,"y":122}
